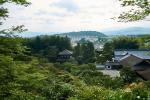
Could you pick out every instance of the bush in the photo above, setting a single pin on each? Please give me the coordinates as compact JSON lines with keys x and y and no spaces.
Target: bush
{"x":128,"y":75}
{"x":59,"y":92}
{"x":74,"y":68}
{"x":97,"y":78}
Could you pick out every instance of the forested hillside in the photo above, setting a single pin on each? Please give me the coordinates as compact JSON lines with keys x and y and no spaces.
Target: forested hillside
{"x":84,"y":33}
{"x":97,"y":38}
{"x":29,"y":71}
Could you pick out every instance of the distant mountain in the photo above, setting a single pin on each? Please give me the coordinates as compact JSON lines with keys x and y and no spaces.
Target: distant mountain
{"x":84,"y":33}
{"x":87,"y":35}
{"x":129,"y":31}
{"x":69,"y":34}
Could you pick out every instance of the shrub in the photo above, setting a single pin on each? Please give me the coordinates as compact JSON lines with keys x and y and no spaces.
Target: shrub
{"x":128,"y":75}
{"x":97,"y":78}
{"x":61,"y":92}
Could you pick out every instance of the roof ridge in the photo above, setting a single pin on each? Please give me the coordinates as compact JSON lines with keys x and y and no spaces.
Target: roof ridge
{"x":66,"y":51}
{"x":131,"y":49}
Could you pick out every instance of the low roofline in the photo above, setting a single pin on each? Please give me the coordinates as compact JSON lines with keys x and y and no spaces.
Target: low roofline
{"x":131,"y":49}
{"x":131,"y":55}
{"x":66,"y":52}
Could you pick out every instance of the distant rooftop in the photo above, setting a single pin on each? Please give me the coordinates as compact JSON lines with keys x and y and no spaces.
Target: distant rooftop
{"x":142,"y":53}
{"x":66,"y":52}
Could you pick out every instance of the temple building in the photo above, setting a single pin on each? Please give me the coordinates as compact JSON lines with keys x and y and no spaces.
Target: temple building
{"x":138,"y":60}
{"x":64,"y":55}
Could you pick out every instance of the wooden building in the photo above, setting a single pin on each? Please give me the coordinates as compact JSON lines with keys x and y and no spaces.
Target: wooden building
{"x":64,"y":55}
{"x":138,"y":60}
{"x":140,"y":65}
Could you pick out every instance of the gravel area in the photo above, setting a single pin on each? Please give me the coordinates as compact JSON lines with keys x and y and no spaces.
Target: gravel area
{"x":112,"y":73}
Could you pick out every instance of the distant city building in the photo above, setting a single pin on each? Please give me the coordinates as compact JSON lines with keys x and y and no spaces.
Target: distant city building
{"x":97,"y":38}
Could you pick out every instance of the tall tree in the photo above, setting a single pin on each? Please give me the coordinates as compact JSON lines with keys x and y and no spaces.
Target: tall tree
{"x":88,"y":52}
{"x":106,"y":54}
{"x":117,"y":43}
{"x":10,"y":49}
{"x":48,"y":46}
{"x":77,"y":50}
{"x":125,"y":43}
{"x":78,"y":53}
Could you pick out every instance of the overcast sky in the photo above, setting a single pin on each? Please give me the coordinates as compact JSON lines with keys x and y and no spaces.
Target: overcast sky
{"x":68,"y":15}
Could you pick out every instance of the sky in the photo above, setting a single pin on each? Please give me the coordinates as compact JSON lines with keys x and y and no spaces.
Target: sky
{"x":69,"y":15}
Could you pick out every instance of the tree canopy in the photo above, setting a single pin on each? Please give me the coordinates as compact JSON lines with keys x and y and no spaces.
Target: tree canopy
{"x":47,"y":46}
{"x":84,"y":52}
{"x":24,"y":77}
{"x":4,"y":11}
{"x":140,"y":10}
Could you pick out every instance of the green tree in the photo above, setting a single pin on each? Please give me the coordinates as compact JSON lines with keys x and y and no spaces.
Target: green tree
{"x":47,"y":46}
{"x":88,"y":52}
{"x":128,"y":75}
{"x":4,"y":11}
{"x":51,"y":53}
{"x":11,"y":50}
{"x":144,"y":41}
{"x":106,"y":54}
{"x":117,"y":43}
{"x":125,"y":43}
{"x":139,"y":13}
{"x":78,"y":53}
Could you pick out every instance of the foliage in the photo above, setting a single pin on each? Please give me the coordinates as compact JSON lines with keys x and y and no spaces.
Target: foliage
{"x":144,"y":41}
{"x":85,"y":53}
{"x":74,"y":68}
{"x":125,"y":43}
{"x":47,"y":46}
{"x":78,"y":53}
{"x":38,"y":79}
{"x":128,"y":75}
{"x":139,"y":11}
{"x":95,"y":78}
{"x":83,"y":34}
{"x":88,"y":53}
{"x":4,"y":11}
{"x":106,"y":54}
{"x":26,"y":74}
{"x":117,"y":43}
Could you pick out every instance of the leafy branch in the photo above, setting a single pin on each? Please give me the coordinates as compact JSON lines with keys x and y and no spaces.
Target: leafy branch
{"x":135,"y":14}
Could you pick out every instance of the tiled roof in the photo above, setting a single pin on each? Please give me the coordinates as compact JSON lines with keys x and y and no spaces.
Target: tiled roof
{"x":144,"y":54}
{"x":130,"y":60}
{"x":66,"y":52}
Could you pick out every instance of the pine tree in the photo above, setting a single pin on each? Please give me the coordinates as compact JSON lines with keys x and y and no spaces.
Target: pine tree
{"x":88,"y":52}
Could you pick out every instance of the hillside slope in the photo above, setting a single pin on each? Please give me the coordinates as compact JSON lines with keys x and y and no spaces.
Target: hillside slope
{"x":84,"y":33}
